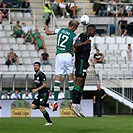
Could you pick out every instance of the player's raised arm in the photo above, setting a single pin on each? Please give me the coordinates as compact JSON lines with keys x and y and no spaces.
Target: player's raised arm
{"x":78,"y":43}
{"x":48,"y":32}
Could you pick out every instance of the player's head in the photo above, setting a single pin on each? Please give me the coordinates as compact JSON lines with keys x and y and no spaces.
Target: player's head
{"x":91,"y":30}
{"x":73,"y":25}
{"x":37,"y":66}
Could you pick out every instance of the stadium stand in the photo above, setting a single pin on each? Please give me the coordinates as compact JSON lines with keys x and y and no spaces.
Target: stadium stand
{"x":113,"y":47}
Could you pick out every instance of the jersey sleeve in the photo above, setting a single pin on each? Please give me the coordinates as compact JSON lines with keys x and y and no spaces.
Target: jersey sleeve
{"x":75,"y":39}
{"x":43,"y":78}
{"x":56,"y":31}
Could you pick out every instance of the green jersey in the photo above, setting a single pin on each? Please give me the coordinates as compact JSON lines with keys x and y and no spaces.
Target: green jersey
{"x":29,"y":37}
{"x":17,"y":31}
{"x":65,"y":40}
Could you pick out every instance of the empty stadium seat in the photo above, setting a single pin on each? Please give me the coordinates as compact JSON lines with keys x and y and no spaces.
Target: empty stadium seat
{"x":33,"y":54}
{"x":107,"y":66}
{"x":2,"y":34}
{"x":109,"y":53}
{"x":129,"y":40}
{"x":128,"y":74}
{"x":27,"y":15}
{"x":8,"y":33}
{"x":35,"y":59}
{"x":111,"y":74}
{"x":20,"y":40}
{"x":7,"y":27}
{"x":113,"y":46}
{"x":4,"y":40}
{"x":4,"y":68}
{"x":121,"y":60}
{"x":13,"y":68}
{"x":25,"y":53}
{"x":122,"y":46}
{"x":99,"y":39}
{"x":27,"y":61}
{"x":120,"y":40}
{"x":124,"y":66}
{"x":31,"y":47}
{"x":19,"y":15}
{"x":98,"y":67}
{"x":130,"y":66}
{"x":102,"y":46}
{"x":119,"y":74}
{"x":29,"y":68}
{"x":112,"y":60}
{"x":1,"y":54}
{"x":11,"y":40}
{"x":46,"y":68}
{"x":12,"y":14}
{"x":117,"y":53}
{"x":22,"y":47}
{"x":21,"y":68}
{"x":115,"y":67}
{"x":14,"y":46}
{"x":2,"y":60}
{"x":6,"y":47}
{"x":110,"y":40}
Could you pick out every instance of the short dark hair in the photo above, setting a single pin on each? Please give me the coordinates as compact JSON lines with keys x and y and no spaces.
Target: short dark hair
{"x":37,"y":63}
{"x":91,"y":26}
{"x":129,"y":44}
{"x":18,"y":22}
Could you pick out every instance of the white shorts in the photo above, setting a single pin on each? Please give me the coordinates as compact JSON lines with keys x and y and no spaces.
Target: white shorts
{"x":64,"y":64}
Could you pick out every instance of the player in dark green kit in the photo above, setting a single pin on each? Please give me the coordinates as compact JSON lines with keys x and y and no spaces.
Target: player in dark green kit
{"x":82,"y":54}
{"x":41,"y":101}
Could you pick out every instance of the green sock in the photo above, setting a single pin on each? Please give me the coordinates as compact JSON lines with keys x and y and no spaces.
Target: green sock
{"x":70,"y":86}
{"x":56,"y":89}
{"x":78,"y":88}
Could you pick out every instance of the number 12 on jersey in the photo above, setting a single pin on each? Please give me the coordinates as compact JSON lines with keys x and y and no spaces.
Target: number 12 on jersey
{"x":62,"y":39}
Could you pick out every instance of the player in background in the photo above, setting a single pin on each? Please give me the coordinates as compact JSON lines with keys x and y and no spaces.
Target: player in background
{"x":64,"y":57}
{"x":41,"y":101}
{"x":82,"y":54}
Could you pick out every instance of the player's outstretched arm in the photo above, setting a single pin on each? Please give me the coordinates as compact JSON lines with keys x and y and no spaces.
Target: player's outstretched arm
{"x":48,"y":32}
{"x":78,"y":43}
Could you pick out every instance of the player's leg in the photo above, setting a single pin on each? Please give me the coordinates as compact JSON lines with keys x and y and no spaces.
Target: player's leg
{"x":59,"y":70}
{"x":35,"y":104}
{"x":70,"y":86}
{"x":56,"y":91}
{"x":69,"y":67}
{"x":43,"y":103}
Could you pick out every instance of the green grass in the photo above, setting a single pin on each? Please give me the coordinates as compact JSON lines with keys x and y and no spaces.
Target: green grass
{"x":111,"y":124}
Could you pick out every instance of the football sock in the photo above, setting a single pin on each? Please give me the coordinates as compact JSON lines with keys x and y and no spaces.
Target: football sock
{"x":77,"y":94}
{"x":70,"y":86}
{"x":56,"y":89}
{"x":79,"y":97}
{"x":46,"y":115}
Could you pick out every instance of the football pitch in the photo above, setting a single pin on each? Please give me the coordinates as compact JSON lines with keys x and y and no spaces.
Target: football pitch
{"x":105,"y":124}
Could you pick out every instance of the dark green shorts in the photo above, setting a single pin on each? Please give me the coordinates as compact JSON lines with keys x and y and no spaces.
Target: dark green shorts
{"x":41,"y":100}
{"x":81,"y":67}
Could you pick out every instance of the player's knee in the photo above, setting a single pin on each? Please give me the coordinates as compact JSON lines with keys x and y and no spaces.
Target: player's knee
{"x":42,"y":108}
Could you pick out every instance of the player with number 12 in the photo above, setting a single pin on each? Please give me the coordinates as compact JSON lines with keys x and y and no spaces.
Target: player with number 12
{"x":64,"y":63}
